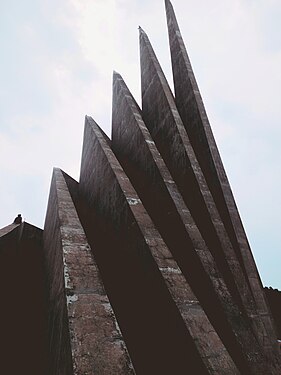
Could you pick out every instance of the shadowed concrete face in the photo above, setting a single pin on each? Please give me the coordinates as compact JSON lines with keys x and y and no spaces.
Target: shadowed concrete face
{"x":274,"y":300}
{"x":165,"y":124}
{"x":148,"y":271}
{"x":23,"y":323}
{"x":161,"y":117}
{"x":191,"y":109}
{"x":144,"y":166}
{"x":143,"y":266}
{"x":81,"y":317}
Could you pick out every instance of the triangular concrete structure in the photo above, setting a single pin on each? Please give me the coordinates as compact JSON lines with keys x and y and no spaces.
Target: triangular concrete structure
{"x":191,"y":108}
{"x":143,"y":266}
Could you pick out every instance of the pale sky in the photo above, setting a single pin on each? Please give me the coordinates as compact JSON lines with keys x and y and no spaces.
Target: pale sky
{"x":57,"y":59}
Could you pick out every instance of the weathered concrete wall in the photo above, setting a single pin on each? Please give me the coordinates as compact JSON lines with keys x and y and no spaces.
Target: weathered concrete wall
{"x":191,"y":109}
{"x":60,"y":360}
{"x":164,"y":326}
{"x":144,"y":166}
{"x":162,"y":119}
{"x":23,"y":306}
{"x":81,"y":317}
{"x":147,"y":268}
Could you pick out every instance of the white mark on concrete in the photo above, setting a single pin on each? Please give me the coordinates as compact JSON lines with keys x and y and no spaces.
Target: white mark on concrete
{"x":149,"y":141}
{"x":117,"y":327}
{"x":133,"y":201}
{"x":170,"y":270}
{"x":67,"y":281}
{"x":71,"y":299}
{"x":107,"y":307}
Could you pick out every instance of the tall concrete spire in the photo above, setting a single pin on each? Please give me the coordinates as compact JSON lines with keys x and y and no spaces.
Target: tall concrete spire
{"x":150,"y":67}
{"x":81,"y":313}
{"x":191,"y":109}
{"x":146,"y":268}
{"x":136,"y":151}
{"x":161,"y":116}
{"x":153,"y":295}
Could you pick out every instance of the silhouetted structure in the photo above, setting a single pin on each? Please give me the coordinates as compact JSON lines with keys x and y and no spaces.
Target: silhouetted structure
{"x":147,"y":268}
{"x":18,"y":219}
{"x":23,"y":313}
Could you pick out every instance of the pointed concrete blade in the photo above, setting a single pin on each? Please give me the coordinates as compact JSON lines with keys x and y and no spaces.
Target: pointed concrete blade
{"x":157,"y":299}
{"x":71,"y":266}
{"x":191,"y":109}
{"x":135,"y":149}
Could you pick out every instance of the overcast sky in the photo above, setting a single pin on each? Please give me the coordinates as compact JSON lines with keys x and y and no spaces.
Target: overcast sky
{"x":57,"y":58}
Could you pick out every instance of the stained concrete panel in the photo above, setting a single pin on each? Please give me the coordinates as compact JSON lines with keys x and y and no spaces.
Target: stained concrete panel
{"x":83,"y":328}
{"x":191,"y":109}
{"x":159,"y":316}
{"x":134,"y":147}
{"x":162,"y":118}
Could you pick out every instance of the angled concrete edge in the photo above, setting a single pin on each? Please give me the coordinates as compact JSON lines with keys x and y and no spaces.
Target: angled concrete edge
{"x":95,"y":340}
{"x":7,"y":229}
{"x":195,"y":319}
{"x":143,"y":164}
{"x":195,"y":120}
{"x":161,"y":116}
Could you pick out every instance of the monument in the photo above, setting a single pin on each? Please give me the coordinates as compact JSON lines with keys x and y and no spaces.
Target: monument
{"x":143,"y":266}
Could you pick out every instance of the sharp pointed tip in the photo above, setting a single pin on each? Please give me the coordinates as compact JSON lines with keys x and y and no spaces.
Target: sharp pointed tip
{"x":171,"y":16}
{"x":141,"y":31}
{"x":143,"y":37}
{"x":116,"y":74}
{"x":87,"y":119}
{"x":117,"y":78}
